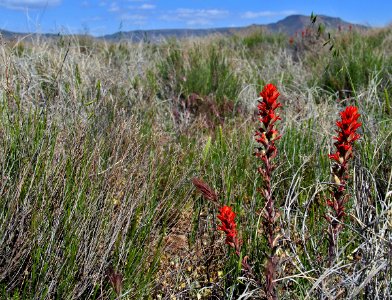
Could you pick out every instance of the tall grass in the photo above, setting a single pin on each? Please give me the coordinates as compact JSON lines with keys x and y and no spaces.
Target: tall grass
{"x":96,"y":166}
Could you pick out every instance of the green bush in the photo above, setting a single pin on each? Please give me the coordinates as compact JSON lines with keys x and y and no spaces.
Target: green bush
{"x":358,"y":59}
{"x":204,"y":71}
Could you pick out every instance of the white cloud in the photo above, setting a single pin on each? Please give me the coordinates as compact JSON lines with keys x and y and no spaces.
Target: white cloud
{"x":266,"y":14}
{"x":114,"y":7}
{"x":194,"y":17}
{"x":143,"y":7}
{"x":201,"y":13}
{"x":20,"y":4}
{"x":199,"y":22}
{"x":147,"y":6}
{"x":93,"y":19}
{"x":133,"y":17}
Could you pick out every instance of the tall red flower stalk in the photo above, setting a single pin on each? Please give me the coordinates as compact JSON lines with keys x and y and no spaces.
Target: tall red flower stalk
{"x":347,"y":127}
{"x":266,"y":136}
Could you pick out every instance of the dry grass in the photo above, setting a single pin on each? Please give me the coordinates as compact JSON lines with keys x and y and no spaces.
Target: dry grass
{"x":98,"y":149}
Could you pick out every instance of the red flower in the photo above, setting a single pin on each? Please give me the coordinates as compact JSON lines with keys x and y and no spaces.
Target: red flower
{"x":270,"y":94}
{"x":266,"y":135}
{"x":228,"y":226}
{"x":346,"y":134}
{"x":267,"y":107}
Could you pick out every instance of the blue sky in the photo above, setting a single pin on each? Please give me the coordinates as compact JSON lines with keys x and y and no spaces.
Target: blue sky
{"x":103,"y":16}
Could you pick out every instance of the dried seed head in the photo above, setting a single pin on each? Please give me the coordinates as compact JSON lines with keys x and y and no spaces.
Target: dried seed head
{"x":205,"y":190}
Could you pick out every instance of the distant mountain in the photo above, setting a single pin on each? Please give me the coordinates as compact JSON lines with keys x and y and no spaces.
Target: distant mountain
{"x":14,"y":35}
{"x":296,"y":23}
{"x":161,"y":34}
{"x":8,"y":34}
{"x":289,"y":25}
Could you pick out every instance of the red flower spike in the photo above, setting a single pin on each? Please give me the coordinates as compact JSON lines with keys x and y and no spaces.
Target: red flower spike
{"x":227,"y":217}
{"x":346,"y":136}
{"x":266,"y":135}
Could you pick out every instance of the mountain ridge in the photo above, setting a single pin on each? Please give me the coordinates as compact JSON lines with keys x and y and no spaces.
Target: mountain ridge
{"x":289,"y":25}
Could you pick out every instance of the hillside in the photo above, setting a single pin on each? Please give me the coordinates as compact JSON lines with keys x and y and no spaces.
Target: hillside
{"x":288,"y":25}
{"x":296,"y":23}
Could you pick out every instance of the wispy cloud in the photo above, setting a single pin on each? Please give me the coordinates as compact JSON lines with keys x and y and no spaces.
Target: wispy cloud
{"x":194,"y":17}
{"x":147,"y":6}
{"x":266,"y":14}
{"x":201,"y":13}
{"x":199,"y":22}
{"x":92,"y":19}
{"x":134,"y":19}
{"x":114,"y":7}
{"x":33,"y":4}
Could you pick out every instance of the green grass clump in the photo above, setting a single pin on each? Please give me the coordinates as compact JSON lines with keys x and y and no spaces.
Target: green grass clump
{"x":359,"y":58}
{"x":201,"y":69}
{"x":258,"y":38}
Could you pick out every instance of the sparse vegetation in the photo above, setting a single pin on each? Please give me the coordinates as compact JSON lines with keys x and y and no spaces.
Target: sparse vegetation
{"x":99,"y":143}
